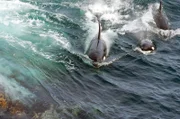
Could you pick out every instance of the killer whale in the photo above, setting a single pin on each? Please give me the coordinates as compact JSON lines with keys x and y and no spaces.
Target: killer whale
{"x":147,"y":45}
{"x":160,"y":19}
{"x":144,"y":40}
{"x":97,"y":50}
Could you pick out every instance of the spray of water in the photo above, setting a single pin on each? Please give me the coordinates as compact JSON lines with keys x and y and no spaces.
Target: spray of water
{"x":108,"y":11}
{"x":145,"y":22}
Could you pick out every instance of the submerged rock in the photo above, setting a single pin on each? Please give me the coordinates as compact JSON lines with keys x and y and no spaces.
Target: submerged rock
{"x":50,"y":114}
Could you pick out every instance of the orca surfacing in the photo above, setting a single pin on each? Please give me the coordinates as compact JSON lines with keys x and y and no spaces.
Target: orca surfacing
{"x":97,"y":51}
{"x":160,"y":19}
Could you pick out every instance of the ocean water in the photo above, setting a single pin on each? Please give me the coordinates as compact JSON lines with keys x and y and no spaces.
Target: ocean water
{"x":45,"y":73}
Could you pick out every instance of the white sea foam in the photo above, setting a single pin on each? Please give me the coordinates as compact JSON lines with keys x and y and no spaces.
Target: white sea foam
{"x":14,"y":90}
{"x":144,"y":52}
{"x":13,"y":20}
{"x":109,"y":36}
{"x":142,"y":23}
{"x":107,"y":12}
{"x":58,"y":39}
{"x":145,"y":22}
{"x":12,"y":5}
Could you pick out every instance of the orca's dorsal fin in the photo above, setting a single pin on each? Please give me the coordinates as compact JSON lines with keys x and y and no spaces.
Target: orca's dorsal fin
{"x":160,"y":6}
{"x":99,"y":32}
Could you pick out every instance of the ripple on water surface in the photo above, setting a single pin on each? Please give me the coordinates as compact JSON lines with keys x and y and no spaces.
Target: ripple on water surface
{"x":45,"y":74}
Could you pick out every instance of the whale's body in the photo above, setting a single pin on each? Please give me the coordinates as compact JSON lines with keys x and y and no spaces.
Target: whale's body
{"x":97,"y":50}
{"x":160,"y":19}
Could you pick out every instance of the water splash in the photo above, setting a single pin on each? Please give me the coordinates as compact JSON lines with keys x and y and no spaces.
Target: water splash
{"x":15,"y":91}
{"x":144,"y":52}
{"x":145,"y":23}
{"x":107,"y":12}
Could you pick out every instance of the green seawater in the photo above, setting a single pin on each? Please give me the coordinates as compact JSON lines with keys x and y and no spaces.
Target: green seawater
{"x":44,"y":68}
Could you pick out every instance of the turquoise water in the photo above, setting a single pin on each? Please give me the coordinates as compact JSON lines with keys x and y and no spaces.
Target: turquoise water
{"x":43,"y":66}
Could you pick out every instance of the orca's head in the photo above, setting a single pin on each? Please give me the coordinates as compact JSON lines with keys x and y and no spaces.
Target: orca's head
{"x":95,"y":64}
{"x":147,"y":45}
{"x":96,"y":59}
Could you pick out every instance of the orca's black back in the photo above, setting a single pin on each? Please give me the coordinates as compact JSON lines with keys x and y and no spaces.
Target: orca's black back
{"x":161,"y":21}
